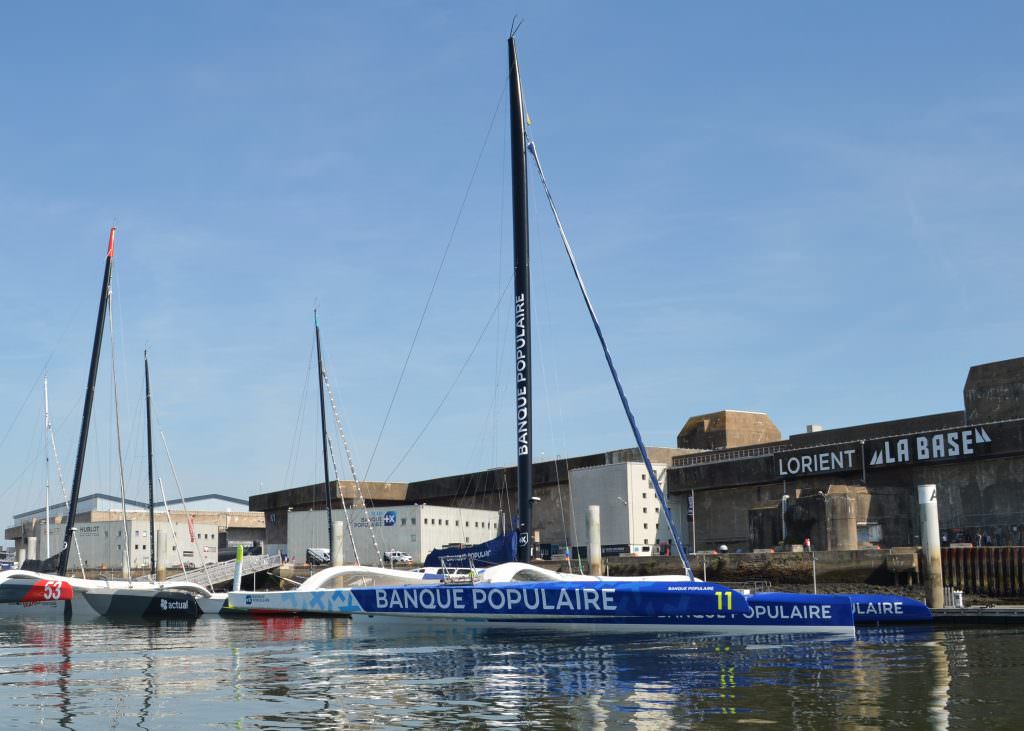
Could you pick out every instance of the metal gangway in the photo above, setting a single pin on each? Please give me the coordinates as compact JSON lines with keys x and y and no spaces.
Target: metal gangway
{"x":224,"y":571}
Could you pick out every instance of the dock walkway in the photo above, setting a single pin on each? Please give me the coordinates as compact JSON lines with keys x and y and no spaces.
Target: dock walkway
{"x":224,"y":572}
{"x":999,"y":614}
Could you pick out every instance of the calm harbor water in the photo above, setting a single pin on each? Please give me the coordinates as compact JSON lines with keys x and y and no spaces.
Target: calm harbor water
{"x":321,"y":673}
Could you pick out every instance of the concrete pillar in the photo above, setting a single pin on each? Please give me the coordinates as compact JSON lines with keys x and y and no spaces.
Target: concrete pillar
{"x":841,"y":514}
{"x":594,"y":539}
{"x":20,"y":555}
{"x":161,"y":556}
{"x":33,"y":548}
{"x":930,"y":545}
{"x":337,"y":550}
{"x":236,"y":584}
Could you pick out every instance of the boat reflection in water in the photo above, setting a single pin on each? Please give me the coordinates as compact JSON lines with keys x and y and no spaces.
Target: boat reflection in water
{"x":325,"y":673}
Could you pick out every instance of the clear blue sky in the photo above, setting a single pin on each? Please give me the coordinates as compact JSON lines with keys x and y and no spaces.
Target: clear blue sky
{"x":812,"y":210}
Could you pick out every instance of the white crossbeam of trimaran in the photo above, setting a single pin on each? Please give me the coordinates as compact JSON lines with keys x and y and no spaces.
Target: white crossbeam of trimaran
{"x":517,"y":594}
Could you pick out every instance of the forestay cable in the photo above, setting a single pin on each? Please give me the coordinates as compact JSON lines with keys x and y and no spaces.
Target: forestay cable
{"x":355,"y":478}
{"x":532,"y":147}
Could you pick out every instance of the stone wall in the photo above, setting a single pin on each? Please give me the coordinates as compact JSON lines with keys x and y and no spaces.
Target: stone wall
{"x":727,"y":429}
{"x":995,"y":391}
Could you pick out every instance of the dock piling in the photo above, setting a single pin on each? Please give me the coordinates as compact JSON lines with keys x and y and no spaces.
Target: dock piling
{"x":594,"y":539}
{"x":931,"y":545}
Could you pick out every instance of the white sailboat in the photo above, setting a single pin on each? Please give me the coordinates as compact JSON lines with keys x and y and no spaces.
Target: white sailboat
{"x":50,"y":591}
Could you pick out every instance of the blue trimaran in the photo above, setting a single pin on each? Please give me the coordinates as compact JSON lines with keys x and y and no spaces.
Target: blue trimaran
{"x":521,"y":594}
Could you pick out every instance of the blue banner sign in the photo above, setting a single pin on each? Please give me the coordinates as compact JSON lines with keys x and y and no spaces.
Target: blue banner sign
{"x":498,"y":550}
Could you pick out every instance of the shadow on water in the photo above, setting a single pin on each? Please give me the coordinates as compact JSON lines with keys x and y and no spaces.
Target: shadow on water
{"x":286,"y":672}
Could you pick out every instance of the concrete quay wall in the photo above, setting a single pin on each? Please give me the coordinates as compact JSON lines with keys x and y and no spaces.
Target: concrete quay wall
{"x":857,"y":567}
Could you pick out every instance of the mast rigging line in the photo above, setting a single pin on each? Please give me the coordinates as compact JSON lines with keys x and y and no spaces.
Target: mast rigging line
{"x":455,"y":381}
{"x":32,"y":389}
{"x":64,"y":492}
{"x":344,"y":509}
{"x":174,"y":532}
{"x":437,"y":277}
{"x":120,"y":457}
{"x":532,"y":148}
{"x":545,"y":321}
{"x":355,"y":477}
{"x":184,"y":506}
{"x":293,"y":452}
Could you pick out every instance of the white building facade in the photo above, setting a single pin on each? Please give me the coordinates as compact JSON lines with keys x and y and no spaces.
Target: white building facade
{"x":631,"y":514}
{"x":102,"y":545}
{"x":412,"y":529}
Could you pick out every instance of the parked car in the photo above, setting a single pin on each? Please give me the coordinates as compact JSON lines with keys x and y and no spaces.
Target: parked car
{"x":394,"y":557}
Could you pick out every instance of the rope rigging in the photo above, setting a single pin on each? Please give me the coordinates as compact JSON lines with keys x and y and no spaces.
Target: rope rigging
{"x":63,"y":486}
{"x":184,"y":507}
{"x":532,"y":148}
{"x":127,"y":568}
{"x":437,"y":276}
{"x":355,"y":476}
{"x":455,"y":381}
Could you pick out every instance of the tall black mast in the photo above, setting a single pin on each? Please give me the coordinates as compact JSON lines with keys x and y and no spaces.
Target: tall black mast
{"x":323,"y":435}
{"x":521,"y":237}
{"x":90,"y":390}
{"x":149,"y":444}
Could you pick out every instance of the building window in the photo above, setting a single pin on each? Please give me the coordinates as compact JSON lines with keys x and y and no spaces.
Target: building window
{"x":136,"y":546}
{"x":657,"y":510}
{"x":643,"y":475}
{"x":645,"y":540}
{"x":412,"y":537}
{"x":414,"y":521}
{"x":643,"y":495}
{"x":446,"y":522}
{"x":403,"y":521}
{"x":645,"y":525}
{"x":645,"y":509}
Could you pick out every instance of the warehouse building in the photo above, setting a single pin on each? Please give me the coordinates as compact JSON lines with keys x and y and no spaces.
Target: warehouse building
{"x":758,"y":493}
{"x":211,"y":522}
{"x":411,"y":529}
{"x":733,"y":479}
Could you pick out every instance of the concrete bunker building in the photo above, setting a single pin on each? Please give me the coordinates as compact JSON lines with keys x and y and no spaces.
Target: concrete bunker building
{"x":732,"y":479}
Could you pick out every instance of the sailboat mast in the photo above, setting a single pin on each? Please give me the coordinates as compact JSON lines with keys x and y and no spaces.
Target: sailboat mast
{"x":323,"y":436}
{"x":83,"y":436}
{"x":149,"y":445}
{"x":46,"y":448}
{"x":521,"y":238}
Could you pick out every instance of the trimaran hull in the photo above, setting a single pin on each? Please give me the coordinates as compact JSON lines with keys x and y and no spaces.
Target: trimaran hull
{"x":27,"y":593}
{"x":519,"y":595}
{"x":516,"y":594}
{"x":561,"y":608}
